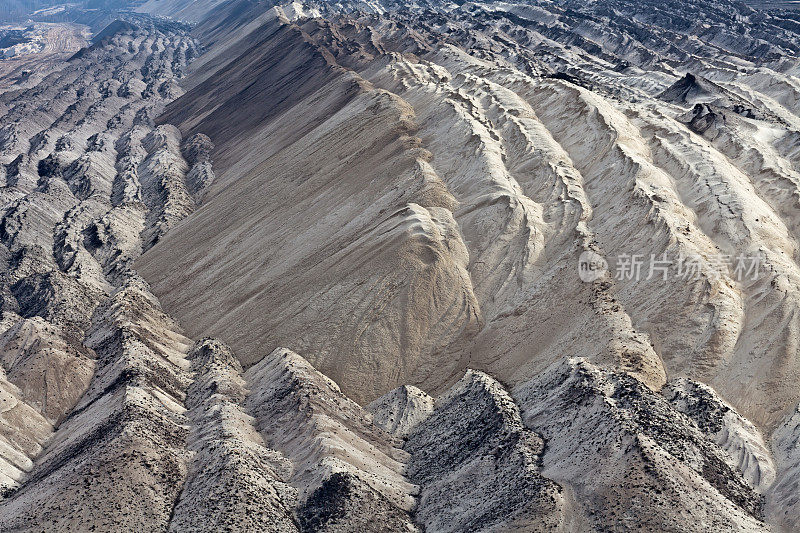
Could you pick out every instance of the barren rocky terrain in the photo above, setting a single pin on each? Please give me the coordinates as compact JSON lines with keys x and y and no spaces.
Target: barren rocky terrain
{"x":30,"y":52}
{"x":320,"y":267}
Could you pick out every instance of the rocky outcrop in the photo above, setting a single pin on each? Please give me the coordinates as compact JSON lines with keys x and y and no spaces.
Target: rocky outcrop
{"x":400,"y":411}
{"x":123,"y":446}
{"x":197,"y":152}
{"x":349,"y":473}
{"x":746,"y":448}
{"x":234,"y":482}
{"x":162,"y":176}
{"x":624,"y":455}
{"x":94,"y":374}
{"x":478,"y":467}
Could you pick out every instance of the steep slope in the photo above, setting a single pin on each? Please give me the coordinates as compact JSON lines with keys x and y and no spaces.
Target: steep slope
{"x":71,"y":337}
{"x":529,"y":193}
{"x":782,"y":502}
{"x":122,"y":446}
{"x":478,"y":466}
{"x":51,"y":372}
{"x":349,"y":472}
{"x":591,"y":208}
{"x":626,"y":457}
{"x":401,"y":410}
{"x":746,"y":448}
{"x":385,"y":266}
{"x":234,"y":481}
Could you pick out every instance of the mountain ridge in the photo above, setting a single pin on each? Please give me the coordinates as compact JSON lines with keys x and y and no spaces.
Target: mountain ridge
{"x":320,"y":266}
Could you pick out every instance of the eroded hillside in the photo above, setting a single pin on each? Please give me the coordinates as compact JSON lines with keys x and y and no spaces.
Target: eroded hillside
{"x":315,"y":267}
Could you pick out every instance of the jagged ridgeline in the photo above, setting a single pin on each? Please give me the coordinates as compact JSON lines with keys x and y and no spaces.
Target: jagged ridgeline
{"x":313,"y":267}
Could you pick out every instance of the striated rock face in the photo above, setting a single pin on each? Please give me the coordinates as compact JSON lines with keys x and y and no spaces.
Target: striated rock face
{"x":531,"y":134}
{"x":94,"y":373}
{"x":51,"y":372}
{"x":396,"y":252}
{"x":349,"y":472}
{"x":233,"y":483}
{"x":625,"y":455}
{"x":24,"y":432}
{"x":407,"y":196}
{"x":742,"y":441}
{"x":400,"y":411}
{"x":782,"y":500}
{"x":118,"y":460}
{"x":197,"y":152}
{"x":478,"y":467}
